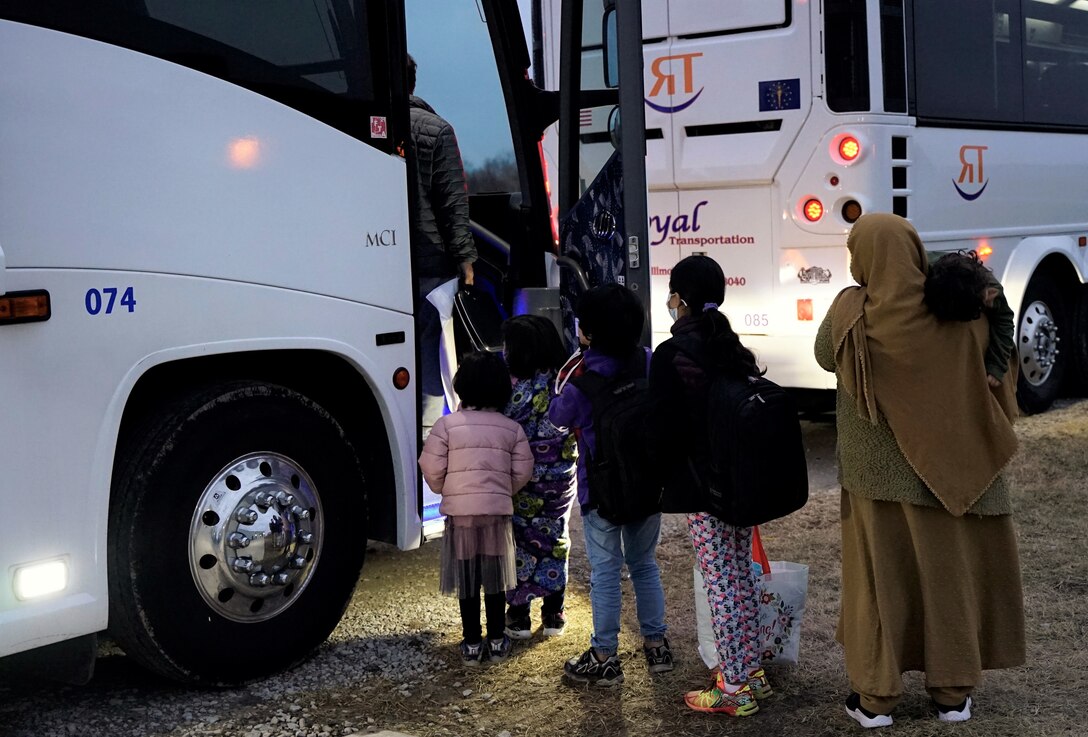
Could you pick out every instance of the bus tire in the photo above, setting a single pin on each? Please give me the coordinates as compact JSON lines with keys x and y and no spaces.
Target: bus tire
{"x":1044,"y":321}
{"x":209,"y":581}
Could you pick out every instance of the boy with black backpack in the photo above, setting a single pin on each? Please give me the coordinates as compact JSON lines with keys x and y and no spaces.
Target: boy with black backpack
{"x":603,"y":397}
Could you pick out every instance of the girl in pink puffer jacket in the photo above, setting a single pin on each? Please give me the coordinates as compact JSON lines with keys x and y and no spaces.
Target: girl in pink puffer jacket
{"x":477,"y":459}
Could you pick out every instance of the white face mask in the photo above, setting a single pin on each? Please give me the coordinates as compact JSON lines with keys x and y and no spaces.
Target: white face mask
{"x":674,"y":312}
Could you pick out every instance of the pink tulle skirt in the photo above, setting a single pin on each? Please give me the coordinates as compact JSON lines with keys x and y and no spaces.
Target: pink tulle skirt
{"x":477,"y":552}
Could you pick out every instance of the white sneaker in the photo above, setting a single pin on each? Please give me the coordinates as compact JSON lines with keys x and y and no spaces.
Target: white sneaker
{"x":952,"y":714}
{"x":863,"y":716}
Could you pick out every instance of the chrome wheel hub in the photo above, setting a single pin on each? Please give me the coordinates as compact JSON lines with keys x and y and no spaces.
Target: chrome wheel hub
{"x":1038,"y":346}
{"x":255,"y":537}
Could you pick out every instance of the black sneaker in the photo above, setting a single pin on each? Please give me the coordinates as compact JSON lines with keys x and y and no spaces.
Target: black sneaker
{"x":587,"y":669}
{"x":863,"y":716}
{"x":659,"y":658}
{"x":471,"y":655}
{"x":519,"y":629}
{"x":499,"y":650}
{"x":554,"y":624}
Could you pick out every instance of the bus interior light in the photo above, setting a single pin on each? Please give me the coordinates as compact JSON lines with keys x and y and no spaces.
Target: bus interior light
{"x":813,"y":209}
{"x":851,"y":211}
{"x":35,"y":580}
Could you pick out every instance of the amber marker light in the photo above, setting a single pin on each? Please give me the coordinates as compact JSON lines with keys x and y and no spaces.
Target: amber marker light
{"x":849,"y":148}
{"x":401,"y":377}
{"x":244,"y":153}
{"x":984,"y":250}
{"x":804,"y":309}
{"x":813,"y":210}
{"x":16,"y":307}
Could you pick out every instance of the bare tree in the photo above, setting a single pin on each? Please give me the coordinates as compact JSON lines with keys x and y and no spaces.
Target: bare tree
{"x":496,"y":174}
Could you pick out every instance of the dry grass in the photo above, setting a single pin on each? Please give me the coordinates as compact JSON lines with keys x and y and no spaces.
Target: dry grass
{"x":1044,"y":697}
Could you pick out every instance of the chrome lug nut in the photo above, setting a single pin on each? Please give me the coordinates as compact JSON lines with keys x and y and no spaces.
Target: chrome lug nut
{"x":281,"y":578}
{"x":300,"y":512}
{"x":242,"y":565}
{"x":260,"y":578}
{"x":284,"y":499}
{"x":237,"y":540}
{"x":264,"y":500}
{"x":297,"y":562}
{"x":246,"y":516}
{"x":305,"y":537}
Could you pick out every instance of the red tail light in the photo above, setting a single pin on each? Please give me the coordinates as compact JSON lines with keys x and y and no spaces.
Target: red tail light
{"x":813,"y":210}
{"x":849,"y":148}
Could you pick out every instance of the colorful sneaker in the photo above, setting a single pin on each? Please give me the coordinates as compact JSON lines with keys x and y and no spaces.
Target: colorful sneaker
{"x":554,"y":624}
{"x":716,"y":700}
{"x":471,"y":655}
{"x":959,"y":713}
{"x":519,"y":629}
{"x":658,"y":657}
{"x":499,"y":650}
{"x":863,"y":716}
{"x":587,"y":669}
{"x":761,"y":687}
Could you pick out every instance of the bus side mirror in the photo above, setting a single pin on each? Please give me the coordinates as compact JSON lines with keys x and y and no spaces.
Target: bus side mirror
{"x":611,"y":51}
{"x":614,"y":131}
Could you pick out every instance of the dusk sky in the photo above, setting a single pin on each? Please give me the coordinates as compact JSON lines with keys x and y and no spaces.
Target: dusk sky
{"x":457,"y":75}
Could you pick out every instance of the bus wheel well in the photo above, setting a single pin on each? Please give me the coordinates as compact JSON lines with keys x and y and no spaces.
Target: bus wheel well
{"x":327,"y":379}
{"x":1057,"y":269}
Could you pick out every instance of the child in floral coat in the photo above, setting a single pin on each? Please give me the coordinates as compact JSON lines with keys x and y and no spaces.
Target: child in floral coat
{"x":533,"y":352}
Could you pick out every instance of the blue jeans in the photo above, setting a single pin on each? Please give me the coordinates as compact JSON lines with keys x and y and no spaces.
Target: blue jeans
{"x":608,"y":546}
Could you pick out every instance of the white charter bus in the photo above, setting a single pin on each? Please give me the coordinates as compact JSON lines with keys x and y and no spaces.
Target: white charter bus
{"x":771,"y":125}
{"x":207,"y":354}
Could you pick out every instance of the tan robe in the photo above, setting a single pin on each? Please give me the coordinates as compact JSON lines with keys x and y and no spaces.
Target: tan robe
{"x":926,"y":591}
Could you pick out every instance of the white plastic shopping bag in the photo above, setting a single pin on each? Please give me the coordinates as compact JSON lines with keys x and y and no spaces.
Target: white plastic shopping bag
{"x":781,"y":609}
{"x":442,"y":298}
{"x":782,"y":606}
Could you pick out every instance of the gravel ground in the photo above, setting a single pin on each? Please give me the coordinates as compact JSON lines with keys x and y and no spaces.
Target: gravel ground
{"x":392,"y":664}
{"x":389,"y":665}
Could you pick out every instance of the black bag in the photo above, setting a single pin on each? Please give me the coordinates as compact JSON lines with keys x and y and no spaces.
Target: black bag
{"x":623,"y":482}
{"x":757,"y":469}
{"x":479,"y":318}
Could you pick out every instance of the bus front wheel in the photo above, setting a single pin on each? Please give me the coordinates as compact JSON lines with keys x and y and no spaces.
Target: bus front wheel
{"x":237,"y":534}
{"x":1044,"y":321}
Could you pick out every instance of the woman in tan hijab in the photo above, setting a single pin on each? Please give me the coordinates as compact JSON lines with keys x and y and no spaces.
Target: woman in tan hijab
{"x":930,"y":569}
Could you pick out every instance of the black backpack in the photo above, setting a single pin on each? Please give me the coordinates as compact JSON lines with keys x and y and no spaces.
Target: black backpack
{"x":755,"y":468}
{"x":623,"y":482}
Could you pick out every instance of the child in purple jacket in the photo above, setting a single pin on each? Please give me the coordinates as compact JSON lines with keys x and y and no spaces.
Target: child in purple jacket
{"x":610,"y":320}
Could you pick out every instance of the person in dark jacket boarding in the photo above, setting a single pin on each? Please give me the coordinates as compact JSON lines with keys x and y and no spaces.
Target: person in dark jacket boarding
{"x":442,"y":244}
